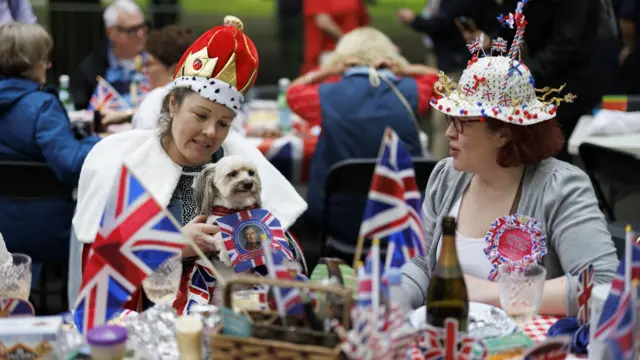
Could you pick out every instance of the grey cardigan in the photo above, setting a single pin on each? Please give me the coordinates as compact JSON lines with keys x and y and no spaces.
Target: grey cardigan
{"x":558,"y":195}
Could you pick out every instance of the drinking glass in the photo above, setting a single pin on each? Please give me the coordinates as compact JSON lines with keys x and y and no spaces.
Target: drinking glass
{"x":15,"y":277}
{"x":162,"y":285}
{"x":521,"y":292}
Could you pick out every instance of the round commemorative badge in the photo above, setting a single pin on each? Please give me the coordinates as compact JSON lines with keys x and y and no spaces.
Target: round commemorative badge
{"x":516,"y":240}
{"x":243,"y":234}
{"x":15,"y":307}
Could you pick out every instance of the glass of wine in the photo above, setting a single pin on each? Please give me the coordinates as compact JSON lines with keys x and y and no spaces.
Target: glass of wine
{"x":162,"y":285}
{"x":15,"y":277}
{"x":521,"y":291}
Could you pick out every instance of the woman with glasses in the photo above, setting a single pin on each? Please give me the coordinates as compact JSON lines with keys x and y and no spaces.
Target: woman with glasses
{"x":114,"y":60}
{"x":502,"y":142}
{"x":34,"y":127}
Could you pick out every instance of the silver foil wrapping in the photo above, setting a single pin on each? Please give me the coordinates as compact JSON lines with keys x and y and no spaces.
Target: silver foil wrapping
{"x":151,"y":333}
{"x":490,"y":323}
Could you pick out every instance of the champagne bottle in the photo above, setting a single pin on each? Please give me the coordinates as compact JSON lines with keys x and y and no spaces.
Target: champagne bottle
{"x":447,"y":294}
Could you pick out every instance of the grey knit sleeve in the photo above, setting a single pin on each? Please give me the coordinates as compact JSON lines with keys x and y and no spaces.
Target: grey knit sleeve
{"x":577,"y":230}
{"x":416,"y":277}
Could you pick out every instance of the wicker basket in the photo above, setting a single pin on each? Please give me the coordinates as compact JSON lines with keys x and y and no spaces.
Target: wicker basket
{"x":225,"y":347}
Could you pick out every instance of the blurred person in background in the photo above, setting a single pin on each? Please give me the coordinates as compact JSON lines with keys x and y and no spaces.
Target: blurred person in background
{"x":126,"y":31}
{"x":441,"y":22}
{"x":34,"y":127}
{"x":164,"y":49}
{"x":290,"y":34}
{"x":629,"y":59}
{"x":16,"y":10}
{"x":561,"y":46}
{"x":324,"y":24}
{"x":376,"y":88}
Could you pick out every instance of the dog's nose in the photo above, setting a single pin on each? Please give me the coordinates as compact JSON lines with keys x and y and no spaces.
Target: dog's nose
{"x":248,"y":185}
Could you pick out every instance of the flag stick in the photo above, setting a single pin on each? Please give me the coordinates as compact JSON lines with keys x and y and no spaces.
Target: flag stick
{"x":628,"y":256}
{"x":358,"y":254}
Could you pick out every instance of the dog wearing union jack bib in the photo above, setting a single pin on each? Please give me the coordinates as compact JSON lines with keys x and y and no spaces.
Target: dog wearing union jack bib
{"x":232,"y":186}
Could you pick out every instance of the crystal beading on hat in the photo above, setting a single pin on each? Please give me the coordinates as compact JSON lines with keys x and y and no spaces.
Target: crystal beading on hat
{"x":221,"y":65}
{"x":500,"y":87}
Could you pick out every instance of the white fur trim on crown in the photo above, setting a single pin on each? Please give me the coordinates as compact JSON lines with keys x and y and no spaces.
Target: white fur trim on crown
{"x":214,"y":90}
{"x":496,"y":87}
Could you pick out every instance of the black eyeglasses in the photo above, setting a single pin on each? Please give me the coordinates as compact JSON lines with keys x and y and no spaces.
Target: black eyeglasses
{"x":134,"y":29}
{"x":459,"y":123}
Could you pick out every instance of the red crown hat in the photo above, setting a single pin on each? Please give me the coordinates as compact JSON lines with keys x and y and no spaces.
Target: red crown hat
{"x":222,"y":65}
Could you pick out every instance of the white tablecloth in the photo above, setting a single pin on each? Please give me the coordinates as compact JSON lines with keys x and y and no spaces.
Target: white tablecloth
{"x":629,"y":142}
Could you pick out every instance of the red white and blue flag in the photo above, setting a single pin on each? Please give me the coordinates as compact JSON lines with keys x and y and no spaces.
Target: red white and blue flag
{"x":105,"y":97}
{"x":392,"y":212}
{"x":197,"y":286}
{"x":15,"y":307}
{"x":613,"y":308}
{"x":288,"y":300}
{"x":621,"y":340}
{"x":499,"y":45}
{"x":135,"y":236}
{"x":264,"y":223}
{"x":585,"y":287}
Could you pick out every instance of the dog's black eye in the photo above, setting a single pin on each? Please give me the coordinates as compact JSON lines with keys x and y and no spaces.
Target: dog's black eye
{"x":233,"y":173}
{"x":251,"y":172}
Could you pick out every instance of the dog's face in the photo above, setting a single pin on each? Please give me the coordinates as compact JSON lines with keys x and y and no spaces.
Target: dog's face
{"x":233,"y":182}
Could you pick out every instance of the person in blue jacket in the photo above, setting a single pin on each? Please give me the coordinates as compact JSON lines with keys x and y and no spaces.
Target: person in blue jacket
{"x":364,"y":88}
{"x":35,"y":127}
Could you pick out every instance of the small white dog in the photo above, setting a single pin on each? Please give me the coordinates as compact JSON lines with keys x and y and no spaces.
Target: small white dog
{"x":232,"y":184}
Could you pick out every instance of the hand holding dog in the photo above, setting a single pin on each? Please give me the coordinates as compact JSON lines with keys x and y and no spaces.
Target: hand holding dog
{"x":200,"y":233}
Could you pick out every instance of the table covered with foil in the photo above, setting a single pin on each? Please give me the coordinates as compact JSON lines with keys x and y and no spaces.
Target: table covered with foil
{"x":151,"y":334}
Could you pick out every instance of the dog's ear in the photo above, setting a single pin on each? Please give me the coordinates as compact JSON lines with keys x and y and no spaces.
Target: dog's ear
{"x":258,"y":181}
{"x":205,"y":191}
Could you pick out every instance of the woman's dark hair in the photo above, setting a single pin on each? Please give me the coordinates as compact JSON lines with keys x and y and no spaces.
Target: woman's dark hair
{"x":169,"y":43}
{"x":164,"y":119}
{"x":528,"y":144}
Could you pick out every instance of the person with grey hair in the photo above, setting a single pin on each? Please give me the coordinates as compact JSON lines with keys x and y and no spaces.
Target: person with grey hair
{"x":126,"y":31}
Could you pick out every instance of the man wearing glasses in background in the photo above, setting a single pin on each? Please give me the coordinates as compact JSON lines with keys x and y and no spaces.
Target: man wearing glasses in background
{"x":115,"y":60}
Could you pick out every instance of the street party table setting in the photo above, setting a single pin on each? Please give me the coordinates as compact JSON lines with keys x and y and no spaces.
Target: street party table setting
{"x":264,"y":305}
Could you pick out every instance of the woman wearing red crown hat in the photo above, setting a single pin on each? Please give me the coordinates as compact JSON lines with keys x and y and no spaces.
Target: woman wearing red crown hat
{"x":502,"y":178}
{"x":210,"y":83}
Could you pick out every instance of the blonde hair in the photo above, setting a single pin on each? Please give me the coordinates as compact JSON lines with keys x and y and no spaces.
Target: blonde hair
{"x":22,"y":47}
{"x":366,"y":46}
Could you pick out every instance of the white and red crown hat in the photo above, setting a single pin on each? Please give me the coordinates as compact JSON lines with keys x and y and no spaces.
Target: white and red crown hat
{"x":221,"y":65}
{"x":500,"y":87}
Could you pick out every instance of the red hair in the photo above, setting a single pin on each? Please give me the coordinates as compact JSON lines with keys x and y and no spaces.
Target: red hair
{"x":528,"y":144}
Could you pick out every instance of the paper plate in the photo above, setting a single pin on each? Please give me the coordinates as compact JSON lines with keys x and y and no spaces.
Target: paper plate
{"x":485,"y":321}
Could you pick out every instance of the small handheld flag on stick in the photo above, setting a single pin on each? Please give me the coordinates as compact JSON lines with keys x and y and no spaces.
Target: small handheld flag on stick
{"x":585,"y":286}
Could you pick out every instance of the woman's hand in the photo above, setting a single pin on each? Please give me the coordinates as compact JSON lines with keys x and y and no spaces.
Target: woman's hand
{"x":482,"y":291}
{"x":405,"y":16}
{"x":201,"y":234}
{"x":110,"y":117}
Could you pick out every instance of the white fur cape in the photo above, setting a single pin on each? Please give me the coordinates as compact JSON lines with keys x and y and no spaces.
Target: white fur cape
{"x":142,"y":152}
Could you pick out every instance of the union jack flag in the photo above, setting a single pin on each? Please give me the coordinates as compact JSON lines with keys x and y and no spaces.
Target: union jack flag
{"x":474,"y":46}
{"x":197,"y":286}
{"x":449,"y":344}
{"x":288,"y":300}
{"x":15,"y":307}
{"x":613,"y":308}
{"x":499,"y":45}
{"x":290,"y":154}
{"x":135,"y":236}
{"x":622,"y":339}
{"x":230,"y":227}
{"x":585,"y":286}
{"x":368,"y":278}
{"x":393,"y":204}
{"x":105,"y":97}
